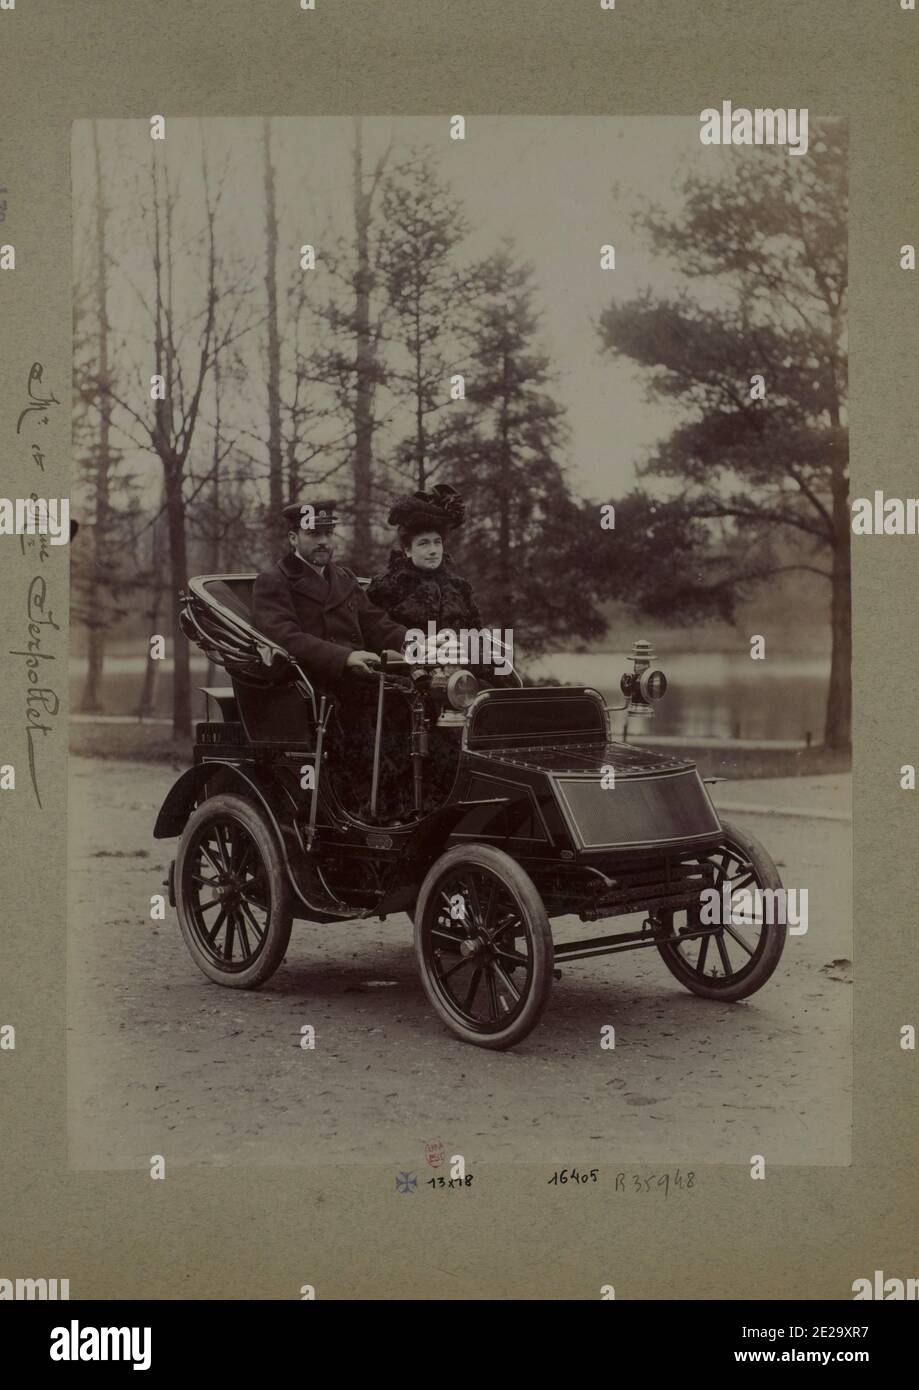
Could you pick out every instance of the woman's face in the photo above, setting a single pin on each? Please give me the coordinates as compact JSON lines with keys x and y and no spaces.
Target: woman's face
{"x":426,"y":550}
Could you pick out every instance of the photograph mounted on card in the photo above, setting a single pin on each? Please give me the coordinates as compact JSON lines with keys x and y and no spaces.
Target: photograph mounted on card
{"x":433,"y":580}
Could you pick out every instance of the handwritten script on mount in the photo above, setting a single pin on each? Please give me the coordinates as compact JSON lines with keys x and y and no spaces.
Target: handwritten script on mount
{"x":42,"y":702}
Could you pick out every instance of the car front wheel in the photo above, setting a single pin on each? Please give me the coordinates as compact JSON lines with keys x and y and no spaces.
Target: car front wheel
{"x":483,"y":945}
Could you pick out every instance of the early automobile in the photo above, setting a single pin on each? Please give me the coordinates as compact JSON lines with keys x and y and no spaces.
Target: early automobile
{"x":543,"y":816}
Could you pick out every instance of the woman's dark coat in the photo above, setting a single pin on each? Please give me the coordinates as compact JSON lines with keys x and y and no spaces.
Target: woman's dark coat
{"x":415,"y":597}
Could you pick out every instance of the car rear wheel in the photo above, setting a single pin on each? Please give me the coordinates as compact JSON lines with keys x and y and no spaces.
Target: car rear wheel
{"x":739,"y":958}
{"x":484,"y":946}
{"x":232,"y":894}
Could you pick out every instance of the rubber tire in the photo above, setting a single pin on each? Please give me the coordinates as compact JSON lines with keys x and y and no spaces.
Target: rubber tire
{"x":768,"y":877}
{"x":524,"y":891}
{"x":280,"y":911}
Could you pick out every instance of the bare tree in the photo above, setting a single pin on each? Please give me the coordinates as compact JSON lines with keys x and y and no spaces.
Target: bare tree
{"x":363,"y":394}
{"x":186,"y":347}
{"x":156,"y":591}
{"x":101,"y":459}
{"x":275,"y":459}
{"x":317,"y":414}
{"x":344,"y":364}
{"x":365,"y":344}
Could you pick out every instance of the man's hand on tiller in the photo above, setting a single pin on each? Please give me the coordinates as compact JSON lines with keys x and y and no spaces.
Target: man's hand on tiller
{"x":363,"y":665}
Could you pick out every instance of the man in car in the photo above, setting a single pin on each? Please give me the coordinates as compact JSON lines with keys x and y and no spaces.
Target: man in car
{"x":316,"y":610}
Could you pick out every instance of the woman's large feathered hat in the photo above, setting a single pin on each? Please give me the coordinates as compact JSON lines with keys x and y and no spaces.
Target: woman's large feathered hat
{"x":442,"y":509}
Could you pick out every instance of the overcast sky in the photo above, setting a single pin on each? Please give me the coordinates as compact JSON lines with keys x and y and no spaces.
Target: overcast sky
{"x":561,"y":187}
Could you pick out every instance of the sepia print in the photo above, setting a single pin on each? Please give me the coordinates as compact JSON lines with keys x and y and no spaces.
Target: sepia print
{"x":461,"y":642}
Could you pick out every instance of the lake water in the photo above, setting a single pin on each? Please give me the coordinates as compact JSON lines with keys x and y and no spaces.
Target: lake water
{"x":711,"y":694}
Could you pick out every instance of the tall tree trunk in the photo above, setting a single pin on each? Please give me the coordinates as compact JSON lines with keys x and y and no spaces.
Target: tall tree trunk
{"x":838,"y":727}
{"x":146,"y":700}
{"x":214,"y":555}
{"x":178,"y":577}
{"x":275,"y":462}
{"x":505,"y":569}
{"x":837,"y":731}
{"x":96,"y":650}
{"x":420,"y":440}
{"x":163,"y":438}
{"x":172,"y":442}
{"x":293,"y":466}
{"x":364,"y":359}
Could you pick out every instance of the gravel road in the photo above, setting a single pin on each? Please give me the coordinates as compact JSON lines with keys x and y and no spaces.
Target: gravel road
{"x":161,"y":1061}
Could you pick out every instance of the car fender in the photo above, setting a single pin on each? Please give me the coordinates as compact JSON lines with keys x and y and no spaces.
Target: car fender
{"x":184,"y":794}
{"x":427,"y":842}
{"x":280,"y":809}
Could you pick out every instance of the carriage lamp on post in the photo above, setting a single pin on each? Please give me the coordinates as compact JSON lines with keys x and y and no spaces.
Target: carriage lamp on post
{"x":644,"y":683}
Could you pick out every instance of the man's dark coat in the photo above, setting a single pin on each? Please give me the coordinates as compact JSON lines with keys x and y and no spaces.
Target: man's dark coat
{"x":320,"y":621}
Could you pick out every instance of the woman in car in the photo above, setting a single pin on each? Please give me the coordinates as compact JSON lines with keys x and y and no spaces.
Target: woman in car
{"x":420,"y":585}
{"x":422,"y":591}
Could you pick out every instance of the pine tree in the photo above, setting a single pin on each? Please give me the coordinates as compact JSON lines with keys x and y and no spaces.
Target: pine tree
{"x":425,"y":290}
{"x":525,"y":537}
{"x":771,"y":236}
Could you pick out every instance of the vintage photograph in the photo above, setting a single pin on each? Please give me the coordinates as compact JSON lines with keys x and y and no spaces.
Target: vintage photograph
{"x":461,"y":644}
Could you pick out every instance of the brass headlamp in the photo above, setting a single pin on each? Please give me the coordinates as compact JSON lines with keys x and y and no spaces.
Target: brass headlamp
{"x":644,"y":684}
{"x":456,"y":689}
